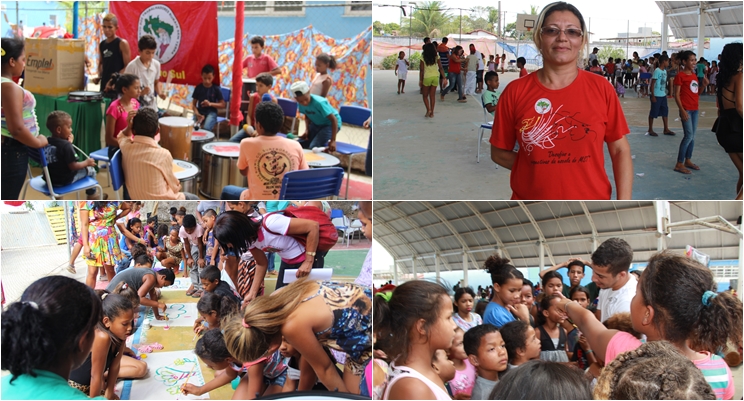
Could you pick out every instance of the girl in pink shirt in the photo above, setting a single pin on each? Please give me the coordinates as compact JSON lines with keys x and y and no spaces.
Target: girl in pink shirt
{"x":128,"y":87}
{"x":464,"y":370}
{"x":673,"y":302}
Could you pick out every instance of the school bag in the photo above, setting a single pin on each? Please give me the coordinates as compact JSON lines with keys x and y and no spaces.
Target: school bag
{"x":328,"y":236}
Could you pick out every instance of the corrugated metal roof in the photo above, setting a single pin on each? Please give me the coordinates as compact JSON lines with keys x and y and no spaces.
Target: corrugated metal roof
{"x":724,"y":19}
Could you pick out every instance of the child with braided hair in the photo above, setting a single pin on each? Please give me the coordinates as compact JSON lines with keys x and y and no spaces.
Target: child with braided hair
{"x":674,"y":301}
{"x":653,"y":371}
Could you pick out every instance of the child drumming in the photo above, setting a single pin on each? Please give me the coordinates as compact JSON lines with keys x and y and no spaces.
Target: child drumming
{"x":521,"y":341}
{"x":553,"y":340}
{"x":108,"y":348}
{"x":213,"y":308}
{"x":487,"y":352}
{"x":464,"y":318}
{"x":430,"y":69}
{"x":322,"y":121}
{"x":658,"y":97}
{"x":506,"y":304}
{"x":415,"y":343}
{"x":64,"y":169}
{"x":264,"y":81}
{"x":299,"y":311}
{"x":322,"y":81}
{"x":147,"y":68}
{"x":687,"y":96}
{"x":207,"y":97}
{"x":464,"y":376}
{"x":674,"y":302}
{"x":127,"y":86}
{"x":401,"y":71}
{"x":45,"y":335}
{"x":114,"y":55}
{"x":264,"y":182}
{"x":490,"y":97}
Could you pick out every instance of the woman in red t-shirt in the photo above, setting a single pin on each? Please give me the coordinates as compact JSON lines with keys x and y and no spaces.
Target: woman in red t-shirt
{"x":686,"y":97}
{"x":562,"y":117}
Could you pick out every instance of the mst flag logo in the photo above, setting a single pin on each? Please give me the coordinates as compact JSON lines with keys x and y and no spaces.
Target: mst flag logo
{"x":160,"y":22}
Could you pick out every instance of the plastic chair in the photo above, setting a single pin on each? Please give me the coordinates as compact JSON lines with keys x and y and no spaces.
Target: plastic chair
{"x":290,"y":109}
{"x":43,"y":183}
{"x":337,"y":218}
{"x":486,"y":126}
{"x":101,"y":156}
{"x":353,"y":115}
{"x":117,"y":173}
{"x":314,"y":183}
{"x":226,"y":118}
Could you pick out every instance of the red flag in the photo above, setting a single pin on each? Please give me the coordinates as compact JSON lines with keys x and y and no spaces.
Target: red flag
{"x":237,"y":84}
{"x":185,"y":31}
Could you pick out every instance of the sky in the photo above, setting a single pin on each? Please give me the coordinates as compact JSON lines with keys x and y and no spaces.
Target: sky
{"x":607,"y":18}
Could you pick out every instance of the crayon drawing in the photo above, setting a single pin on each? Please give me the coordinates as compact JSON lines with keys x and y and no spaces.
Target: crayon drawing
{"x":168,"y":371}
{"x":182,"y":315}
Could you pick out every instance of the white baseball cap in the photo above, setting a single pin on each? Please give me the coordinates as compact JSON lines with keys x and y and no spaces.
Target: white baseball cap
{"x":300,"y":86}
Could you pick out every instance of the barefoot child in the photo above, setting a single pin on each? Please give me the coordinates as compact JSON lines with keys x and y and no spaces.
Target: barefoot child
{"x":401,"y":71}
{"x":430,"y":69}
{"x":687,"y":95}
{"x":464,"y":376}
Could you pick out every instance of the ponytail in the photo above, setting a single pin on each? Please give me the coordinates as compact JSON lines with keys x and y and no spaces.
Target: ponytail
{"x":501,"y":270}
{"x":125,"y":290}
{"x":721,"y":319}
{"x":328,"y":59}
{"x":113,"y":306}
{"x":46,"y":326}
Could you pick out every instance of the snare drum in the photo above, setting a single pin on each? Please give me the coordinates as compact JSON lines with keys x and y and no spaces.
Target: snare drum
{"x":220,"y":168}
{"x":198,"y":139}
{"x":175,"y":135}
{"x":187,"y":173}
{"x":84,"y":96}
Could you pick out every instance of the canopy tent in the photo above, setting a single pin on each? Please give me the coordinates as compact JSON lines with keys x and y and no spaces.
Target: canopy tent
{"x":700,"y":19}
{"x":456,"y":236}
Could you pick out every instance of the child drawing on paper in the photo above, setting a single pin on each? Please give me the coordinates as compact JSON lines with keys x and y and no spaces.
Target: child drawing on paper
{"x":173,"y":377}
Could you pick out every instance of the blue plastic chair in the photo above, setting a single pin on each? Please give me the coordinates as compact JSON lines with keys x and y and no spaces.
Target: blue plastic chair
{"x":225,"y":95}
{"x":117,"y":173}
{"x":101,"y":156}
{"x":290,"y":109}
{"x":487,"y":126}
{"x":43,"y":183}
{"x":353,"y":115}
{"x":314,"y":183}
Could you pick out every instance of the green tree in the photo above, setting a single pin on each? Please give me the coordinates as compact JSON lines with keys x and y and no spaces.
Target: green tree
{"x":609,"y":51}
{"x":93,"y":7}
{"x":377,"y":28}
{"x":427,"y":19}
{"x":390,"y":27}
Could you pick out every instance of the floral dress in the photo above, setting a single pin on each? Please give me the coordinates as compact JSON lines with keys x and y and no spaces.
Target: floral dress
{"x":102,"y":236}
{"x":351,"y":331}
{"x":174,"y":251}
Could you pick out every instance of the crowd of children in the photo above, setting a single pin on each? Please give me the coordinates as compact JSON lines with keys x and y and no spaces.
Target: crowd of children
{"x":569,"y":350}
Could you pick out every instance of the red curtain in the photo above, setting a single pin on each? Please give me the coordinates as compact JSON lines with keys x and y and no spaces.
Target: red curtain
{"x":237,"y":84}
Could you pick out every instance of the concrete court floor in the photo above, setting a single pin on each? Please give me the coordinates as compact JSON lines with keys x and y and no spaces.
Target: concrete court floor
{"x":422,"y":158}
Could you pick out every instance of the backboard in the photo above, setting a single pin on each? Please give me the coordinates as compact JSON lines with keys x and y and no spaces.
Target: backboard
{"x":526,"y":22}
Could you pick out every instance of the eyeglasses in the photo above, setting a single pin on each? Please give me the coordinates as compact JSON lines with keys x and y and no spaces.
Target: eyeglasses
{"x":571,"y":33}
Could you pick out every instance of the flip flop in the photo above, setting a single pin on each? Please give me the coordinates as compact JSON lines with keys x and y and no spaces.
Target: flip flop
{"x":652,"y":133}
{"x":683,"y":170}
{"x":694,"y":166}
{"x":669,"y":133}
{"x":71,"y":269}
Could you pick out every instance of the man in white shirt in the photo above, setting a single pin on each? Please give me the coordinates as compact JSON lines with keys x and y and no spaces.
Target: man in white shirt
{"x":610,"y":265}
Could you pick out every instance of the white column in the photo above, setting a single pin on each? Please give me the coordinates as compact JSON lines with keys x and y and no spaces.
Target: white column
{"x":542,"y":256}
{"x":464,"y":268}
{"x":413,"y":269}
{"x":395,"y":272}
{"x":664,"y":29}
{"x":595,"y":244}
{"x":701,"y":33}
{"x":436,"y":265}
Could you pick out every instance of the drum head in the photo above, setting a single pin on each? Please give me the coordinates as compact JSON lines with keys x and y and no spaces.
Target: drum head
{"x":184,"y":170}
{"x":222,"y":149}
{"x":84,"y":95}
{"x":202,"y":136}
{"x":176,"y":122}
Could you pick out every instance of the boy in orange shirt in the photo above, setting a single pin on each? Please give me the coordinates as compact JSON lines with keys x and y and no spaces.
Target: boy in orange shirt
{"x":266,"y":158}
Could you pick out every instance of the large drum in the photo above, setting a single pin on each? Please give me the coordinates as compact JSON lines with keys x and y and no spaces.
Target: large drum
{"x":175,"y":135}
{"x":198,"y":139}
{"x":187,"y":173}
{"x":249,"y":86}
{"x":220,"y":168}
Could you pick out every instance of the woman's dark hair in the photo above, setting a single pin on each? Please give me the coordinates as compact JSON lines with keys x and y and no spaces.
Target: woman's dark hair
{"x":121,"y":81}
{"x":514,"y":334}
{"x":542,"y":305}
{"x":460,"y":292}
{"x":189,"y":221}
{"x":674,"y":286}
{"x":237,"y":229}
{"x":211,"y":346}
{"x":684,"y":55}
{"x":542,"y":380}
{"x":654,"y":371}
{"x":501,"y":271}
{"x":550,"y":9}
{"x":168,"y":274}
{"x":113,"y":305}
{"x":411,"y":301}
{"x":223,"y":305}
{"x":429,"y":54}
{"x":46,"y":325}
{"x":327,"y":59}
{"x":12,"y":49}
{"x":580,"y":288}
{"x":132,"y":222}
{"x":730,"y":62}
{"x":550,"y":275}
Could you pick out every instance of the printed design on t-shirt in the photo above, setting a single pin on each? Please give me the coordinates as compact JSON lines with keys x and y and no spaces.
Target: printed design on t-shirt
{"x":694,"y":86}
{"x":270,"y":249}
{"x":271,"y":164}
{"x":107,"y":53}
{"x":51,"y":154}
{"x":543,"y":131}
